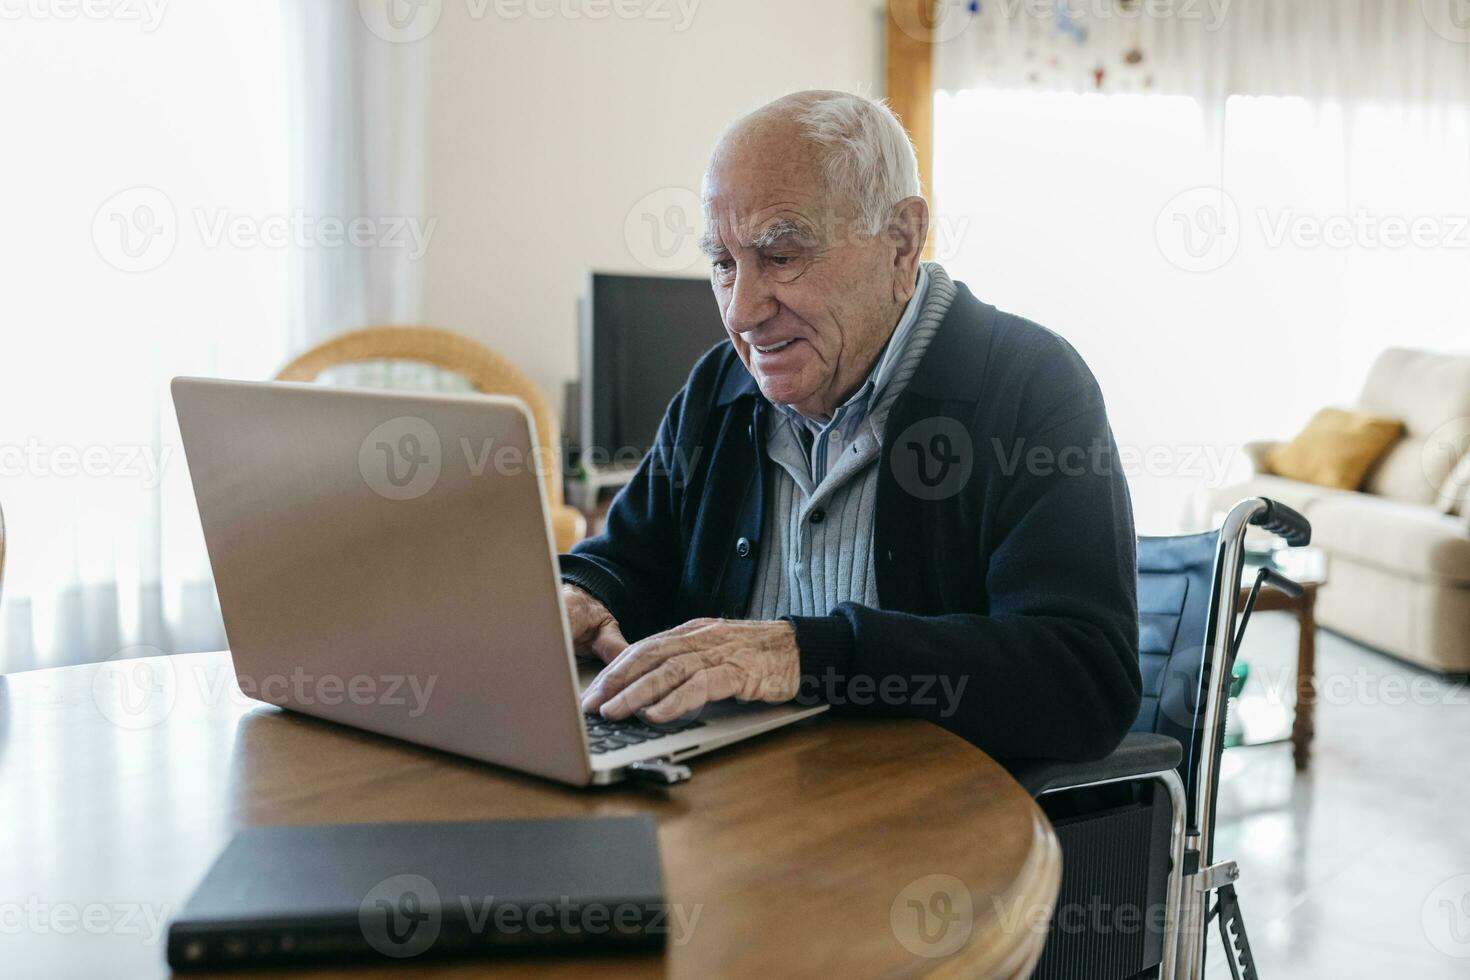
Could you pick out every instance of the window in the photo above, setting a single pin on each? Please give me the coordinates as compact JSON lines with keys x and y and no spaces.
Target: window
{"x":138,"y":246}
{"x":1221,"y":289}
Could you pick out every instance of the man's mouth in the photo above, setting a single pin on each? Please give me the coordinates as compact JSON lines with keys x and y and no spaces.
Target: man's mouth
{"x":774,"y":347}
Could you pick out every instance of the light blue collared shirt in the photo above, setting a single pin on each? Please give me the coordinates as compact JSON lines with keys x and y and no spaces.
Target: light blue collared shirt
{"x":831,"y":438}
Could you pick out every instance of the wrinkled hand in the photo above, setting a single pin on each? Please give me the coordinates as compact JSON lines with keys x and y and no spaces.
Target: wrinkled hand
{"x":595,"y":633}
{"x":680,"y":670}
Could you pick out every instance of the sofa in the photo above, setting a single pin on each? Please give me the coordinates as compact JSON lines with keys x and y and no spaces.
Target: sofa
{"x":1398,"y":547}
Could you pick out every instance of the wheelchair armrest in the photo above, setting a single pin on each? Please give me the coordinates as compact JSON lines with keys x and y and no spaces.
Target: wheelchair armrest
{"x":1141,"y":754}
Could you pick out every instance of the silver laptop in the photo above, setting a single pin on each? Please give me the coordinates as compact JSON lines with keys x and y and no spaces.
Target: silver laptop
{"x":384,"y":560}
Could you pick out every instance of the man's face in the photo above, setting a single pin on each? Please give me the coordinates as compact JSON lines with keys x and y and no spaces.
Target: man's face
{"x":808,"y":301}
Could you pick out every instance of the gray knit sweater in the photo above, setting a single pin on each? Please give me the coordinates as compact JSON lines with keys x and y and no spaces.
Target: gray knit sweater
{"x":817,"y":544}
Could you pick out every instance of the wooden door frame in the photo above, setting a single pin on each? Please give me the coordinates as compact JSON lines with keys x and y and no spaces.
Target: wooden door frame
{"x":909,"y":81}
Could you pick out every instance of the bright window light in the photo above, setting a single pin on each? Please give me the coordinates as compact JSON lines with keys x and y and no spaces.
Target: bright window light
{"x":159,"y":138}
{"x":1101,"y":217}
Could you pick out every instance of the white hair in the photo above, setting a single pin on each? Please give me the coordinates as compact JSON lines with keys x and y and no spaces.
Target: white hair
{"x":865,"y":152}
{"x":868,"y":156}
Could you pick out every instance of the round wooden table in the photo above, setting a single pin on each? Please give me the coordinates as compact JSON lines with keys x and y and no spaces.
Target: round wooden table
{"x":853,"y":848}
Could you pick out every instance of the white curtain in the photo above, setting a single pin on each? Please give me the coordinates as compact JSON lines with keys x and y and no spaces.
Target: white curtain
{"x":1209,"y":49}
{"x":358,"y":113}
{"x":178,"y":186}
{"x":130,"y":145}
{"x":1230,"y":227}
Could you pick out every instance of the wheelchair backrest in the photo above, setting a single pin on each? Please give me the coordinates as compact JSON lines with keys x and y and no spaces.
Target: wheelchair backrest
{"x":1175,"y":576}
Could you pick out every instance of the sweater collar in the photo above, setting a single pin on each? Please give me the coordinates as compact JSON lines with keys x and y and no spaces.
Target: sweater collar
{"x":959,"y":352}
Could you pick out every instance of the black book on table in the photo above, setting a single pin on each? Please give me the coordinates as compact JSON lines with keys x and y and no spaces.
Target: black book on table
{"x":403,"y":891}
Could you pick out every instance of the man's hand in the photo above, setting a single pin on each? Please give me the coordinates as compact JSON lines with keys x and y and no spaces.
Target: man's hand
{"x":680,"y":670}
{"x":594,"y":631}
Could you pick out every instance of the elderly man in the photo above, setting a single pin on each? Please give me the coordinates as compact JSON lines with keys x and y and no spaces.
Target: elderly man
{"x":882,"y":492}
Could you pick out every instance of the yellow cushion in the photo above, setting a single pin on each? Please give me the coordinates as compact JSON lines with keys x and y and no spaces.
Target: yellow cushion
{"x":1336,"y":449}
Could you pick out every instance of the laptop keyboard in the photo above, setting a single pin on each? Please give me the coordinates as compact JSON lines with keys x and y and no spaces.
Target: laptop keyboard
{"x":607,"y":736}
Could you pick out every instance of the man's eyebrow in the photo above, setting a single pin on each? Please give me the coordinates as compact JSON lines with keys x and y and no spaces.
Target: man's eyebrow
{"x":710,"y":245}
{"x":781,"y":230}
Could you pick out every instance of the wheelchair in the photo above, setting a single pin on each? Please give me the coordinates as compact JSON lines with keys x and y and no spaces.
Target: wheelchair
{"x":1137,"y":828}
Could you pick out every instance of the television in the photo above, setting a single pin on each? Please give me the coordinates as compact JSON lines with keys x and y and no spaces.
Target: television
{"x":641,"y":336}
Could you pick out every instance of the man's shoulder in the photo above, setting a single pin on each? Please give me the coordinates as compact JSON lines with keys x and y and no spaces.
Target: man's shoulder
{"x":998,"y":351}
{"x":716,"y":382}
{"x":718,"y":377}
{"x":714,"y":363}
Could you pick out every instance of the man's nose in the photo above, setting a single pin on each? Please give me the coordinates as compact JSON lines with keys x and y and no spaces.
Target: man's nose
{"x":751,"y":301}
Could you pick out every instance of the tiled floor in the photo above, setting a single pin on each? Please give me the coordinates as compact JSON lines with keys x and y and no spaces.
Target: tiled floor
{"x":1361,"y":866}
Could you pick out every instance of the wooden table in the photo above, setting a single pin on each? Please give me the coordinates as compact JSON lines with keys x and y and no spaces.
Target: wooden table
{"x":1308,"y":568}
{"x":809,"y":850}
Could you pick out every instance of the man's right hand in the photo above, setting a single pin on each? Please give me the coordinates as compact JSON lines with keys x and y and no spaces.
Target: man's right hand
{"x":595,"y":632}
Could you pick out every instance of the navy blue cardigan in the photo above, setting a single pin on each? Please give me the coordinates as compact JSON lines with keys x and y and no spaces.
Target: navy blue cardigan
{"x":1003,"y":543}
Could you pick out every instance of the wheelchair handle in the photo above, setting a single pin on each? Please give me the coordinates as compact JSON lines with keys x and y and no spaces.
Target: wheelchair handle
{"x":1281,"y":519}
{"x":1281,"y":583}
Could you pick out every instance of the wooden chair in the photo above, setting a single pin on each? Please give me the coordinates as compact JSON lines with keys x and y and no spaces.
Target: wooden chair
{"x":482,"y":368}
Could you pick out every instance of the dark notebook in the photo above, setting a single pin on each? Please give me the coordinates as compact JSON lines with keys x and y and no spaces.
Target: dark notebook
{"x":401,"y":891}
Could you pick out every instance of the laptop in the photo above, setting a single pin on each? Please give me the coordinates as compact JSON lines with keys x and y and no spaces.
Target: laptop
{"x":385,"y":560}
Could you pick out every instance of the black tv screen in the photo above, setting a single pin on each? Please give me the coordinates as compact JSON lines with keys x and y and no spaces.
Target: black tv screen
{"x":641,"y":336}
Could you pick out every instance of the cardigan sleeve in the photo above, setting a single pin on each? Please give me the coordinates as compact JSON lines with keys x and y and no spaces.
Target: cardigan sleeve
{"x":632,"y":567}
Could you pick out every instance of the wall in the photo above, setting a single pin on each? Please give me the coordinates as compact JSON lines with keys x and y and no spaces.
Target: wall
{"x":547,"y":132}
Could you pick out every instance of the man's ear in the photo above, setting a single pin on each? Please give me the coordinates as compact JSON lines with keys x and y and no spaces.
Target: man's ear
{"x":908,"y":230}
